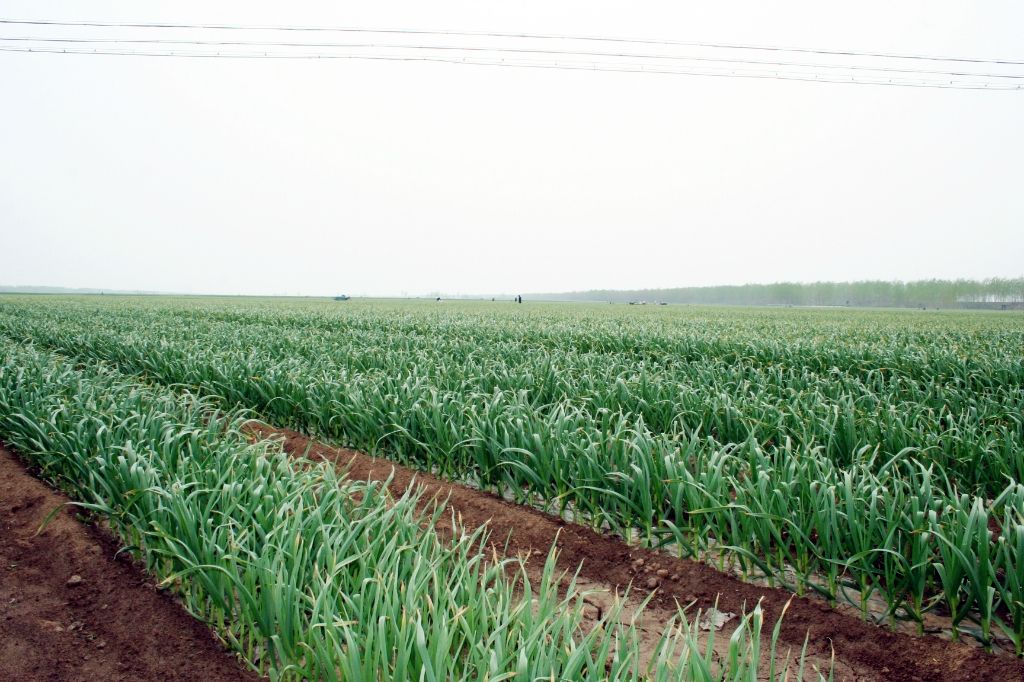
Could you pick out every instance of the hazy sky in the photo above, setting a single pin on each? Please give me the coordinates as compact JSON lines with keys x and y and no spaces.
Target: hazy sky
{"x":317,"y":177}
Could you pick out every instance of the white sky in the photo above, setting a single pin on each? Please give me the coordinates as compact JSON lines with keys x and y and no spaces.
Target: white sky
{"x":322,"y":177}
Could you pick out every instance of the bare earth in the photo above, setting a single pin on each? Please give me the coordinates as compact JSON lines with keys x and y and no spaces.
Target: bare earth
{"x":112,"y":625}
{"x":862,"y":651}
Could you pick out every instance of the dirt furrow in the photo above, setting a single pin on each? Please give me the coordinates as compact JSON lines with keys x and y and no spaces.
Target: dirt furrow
{"x":71,"y":611}
{"x":862,"y":650}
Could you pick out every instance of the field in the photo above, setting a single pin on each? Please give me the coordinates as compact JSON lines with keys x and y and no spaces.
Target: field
{"x":868,"y":462}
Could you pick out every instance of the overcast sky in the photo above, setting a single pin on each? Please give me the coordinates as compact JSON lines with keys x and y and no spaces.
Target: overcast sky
{"x":390,"y":178}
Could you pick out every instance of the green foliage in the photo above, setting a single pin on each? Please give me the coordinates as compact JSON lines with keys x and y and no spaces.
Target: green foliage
{"x":306,"y":575}
{"x":830,"y":450}
{"x":931,"y":293}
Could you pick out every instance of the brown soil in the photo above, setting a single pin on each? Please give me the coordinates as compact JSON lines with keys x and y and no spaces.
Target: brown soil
{"x":113,"y":624}
{"x":862,"y":650}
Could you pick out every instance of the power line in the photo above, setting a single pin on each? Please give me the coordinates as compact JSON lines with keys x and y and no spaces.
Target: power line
{"x":510,"y":50}
{"x":520,"y":56}
{"x":532,"y":36}
{"x":595,"y":66}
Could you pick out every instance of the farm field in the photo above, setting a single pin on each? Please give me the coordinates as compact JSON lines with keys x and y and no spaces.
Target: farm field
{"x":868,"y":462}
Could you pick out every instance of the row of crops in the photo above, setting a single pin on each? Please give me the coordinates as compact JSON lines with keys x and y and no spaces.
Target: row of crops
{"x":865,"y":454}
{"x":308,"y":576}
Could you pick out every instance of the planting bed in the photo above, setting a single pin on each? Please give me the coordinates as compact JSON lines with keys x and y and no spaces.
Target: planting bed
{"x":109,"y":624}
{"x":607,"y":565}
{"x":856,"y":474}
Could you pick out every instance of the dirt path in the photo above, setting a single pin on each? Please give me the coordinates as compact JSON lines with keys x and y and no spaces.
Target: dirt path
{"x":109,"y":623}
{"x":862,"y":651}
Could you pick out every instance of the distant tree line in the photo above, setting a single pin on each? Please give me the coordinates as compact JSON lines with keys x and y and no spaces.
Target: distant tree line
{"x":932,"y":293}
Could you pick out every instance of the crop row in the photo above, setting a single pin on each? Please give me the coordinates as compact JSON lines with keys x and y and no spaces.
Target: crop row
{"x":954,"y":394}
{"x":765,"y":457}
{"x":306,"y":575}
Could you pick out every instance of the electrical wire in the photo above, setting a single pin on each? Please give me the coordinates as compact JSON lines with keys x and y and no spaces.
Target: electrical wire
{"x":533,"y":36}
{"x":510,"y":50}
{"x":520,"y":56}
{"x":593,"y":66}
